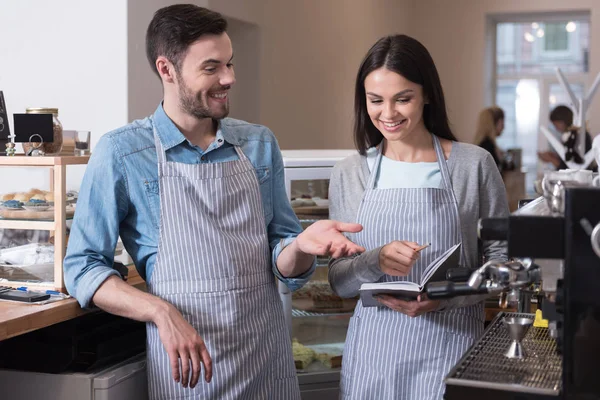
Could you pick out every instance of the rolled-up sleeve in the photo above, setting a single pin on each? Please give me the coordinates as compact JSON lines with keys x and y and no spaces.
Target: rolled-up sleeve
{"x":284,"y":227}
{"x":101,"y":206}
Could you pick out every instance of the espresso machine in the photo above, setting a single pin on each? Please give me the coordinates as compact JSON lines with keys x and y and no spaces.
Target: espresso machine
{"x":554,"y":257}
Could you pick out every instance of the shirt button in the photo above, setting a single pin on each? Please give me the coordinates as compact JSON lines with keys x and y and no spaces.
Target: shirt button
{"x":220,"y":140}
{"x":203,"y":158}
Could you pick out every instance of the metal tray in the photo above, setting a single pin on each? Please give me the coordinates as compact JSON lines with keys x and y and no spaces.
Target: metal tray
{"x":485,"y":366}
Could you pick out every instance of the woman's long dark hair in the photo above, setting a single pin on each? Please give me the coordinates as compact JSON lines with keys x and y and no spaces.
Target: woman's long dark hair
{"x":409,"y":58}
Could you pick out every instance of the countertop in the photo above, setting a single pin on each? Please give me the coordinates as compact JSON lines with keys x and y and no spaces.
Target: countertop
{"x":19,"y":318}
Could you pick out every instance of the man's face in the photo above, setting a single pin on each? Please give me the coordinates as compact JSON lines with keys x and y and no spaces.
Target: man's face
{"x":560,"y":126}
{"x":205,"y":77}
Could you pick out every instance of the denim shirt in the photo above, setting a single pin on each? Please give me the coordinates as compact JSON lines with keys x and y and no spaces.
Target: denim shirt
{"x":119,"y":196}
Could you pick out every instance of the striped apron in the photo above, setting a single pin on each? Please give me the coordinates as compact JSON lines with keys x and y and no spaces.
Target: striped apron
{"x":214,"y":265}
{"x":389,"y":355}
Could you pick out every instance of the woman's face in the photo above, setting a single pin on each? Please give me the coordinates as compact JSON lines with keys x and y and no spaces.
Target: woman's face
{"x":499,"y":126}
{"x":394,"y":104}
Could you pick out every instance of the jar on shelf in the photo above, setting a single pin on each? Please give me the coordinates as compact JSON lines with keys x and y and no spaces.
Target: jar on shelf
{"x":48,"y":148}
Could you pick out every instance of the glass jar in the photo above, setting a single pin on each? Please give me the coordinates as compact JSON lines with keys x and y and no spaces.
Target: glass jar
{"x":49,"y":148}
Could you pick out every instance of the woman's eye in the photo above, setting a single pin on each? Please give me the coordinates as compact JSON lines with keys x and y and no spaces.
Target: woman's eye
{"x":403,"y":101}
{"x":375,"y":101}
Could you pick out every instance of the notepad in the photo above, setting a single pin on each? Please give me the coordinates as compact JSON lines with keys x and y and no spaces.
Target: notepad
{"x":436,"y":271}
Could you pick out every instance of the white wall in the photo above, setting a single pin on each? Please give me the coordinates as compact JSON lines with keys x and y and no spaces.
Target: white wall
{"x":69,"y":54}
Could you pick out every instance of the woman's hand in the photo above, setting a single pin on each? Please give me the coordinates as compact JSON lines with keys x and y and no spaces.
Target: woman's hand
{"x":326,"y":237}
{"x":397,"y":258}
{"x":411,"y":308}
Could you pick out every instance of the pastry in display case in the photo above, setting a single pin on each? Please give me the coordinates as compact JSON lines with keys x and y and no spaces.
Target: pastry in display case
{"x":318,"y":318}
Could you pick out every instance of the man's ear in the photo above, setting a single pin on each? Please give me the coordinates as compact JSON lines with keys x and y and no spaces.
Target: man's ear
{"x":166,"y":69}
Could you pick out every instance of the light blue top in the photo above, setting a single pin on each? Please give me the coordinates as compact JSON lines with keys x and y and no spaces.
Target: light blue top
{"x":119,"y":196}
{"x":394,"y":174}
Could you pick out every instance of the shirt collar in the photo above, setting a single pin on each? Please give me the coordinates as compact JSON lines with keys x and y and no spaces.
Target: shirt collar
{"x":170,"y":136}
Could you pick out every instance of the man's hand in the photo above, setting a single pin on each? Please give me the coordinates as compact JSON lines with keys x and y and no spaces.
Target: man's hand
{"x":182,"y":342}
{"x":326,"y":237}
{"x":397,"y":258}
{"x":411,"y":308}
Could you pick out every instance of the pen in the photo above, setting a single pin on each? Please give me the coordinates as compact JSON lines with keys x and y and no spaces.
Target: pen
{"x":423,"y":247}
{"x":50,"y":292}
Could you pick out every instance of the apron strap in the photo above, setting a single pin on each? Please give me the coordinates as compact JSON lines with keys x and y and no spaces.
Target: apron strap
{"x":442,"y":163}
{"x":375,"y":171}
{"x":240,"y":153}
{"x":160,"y":151}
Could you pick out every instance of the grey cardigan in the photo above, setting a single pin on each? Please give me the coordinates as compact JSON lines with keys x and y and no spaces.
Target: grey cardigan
{"x":479,"y":191}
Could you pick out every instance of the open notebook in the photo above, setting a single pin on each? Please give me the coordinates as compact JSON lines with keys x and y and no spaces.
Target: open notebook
{"x":436,"y":271}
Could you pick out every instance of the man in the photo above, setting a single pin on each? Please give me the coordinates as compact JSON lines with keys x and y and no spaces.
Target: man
{"x":199,"y":202}
{"x":561,"y":118}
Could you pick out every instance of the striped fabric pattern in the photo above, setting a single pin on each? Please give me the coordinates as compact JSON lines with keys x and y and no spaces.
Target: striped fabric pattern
{"x":389,"y":355}
{"x":214,"y":266}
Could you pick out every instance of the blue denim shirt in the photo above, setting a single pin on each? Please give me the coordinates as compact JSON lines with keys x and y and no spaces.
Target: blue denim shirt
{"x":119,"y":196}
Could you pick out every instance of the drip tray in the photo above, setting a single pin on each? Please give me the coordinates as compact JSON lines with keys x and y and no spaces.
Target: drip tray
{"x":485,"y":366}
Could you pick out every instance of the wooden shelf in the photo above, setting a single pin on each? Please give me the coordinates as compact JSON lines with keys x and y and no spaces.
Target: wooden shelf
{"x":44,"y":161}
{"x":27,"y":225}
{"x":58,"y":175}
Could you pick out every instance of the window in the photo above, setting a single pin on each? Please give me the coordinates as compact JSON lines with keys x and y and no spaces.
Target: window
{"x":556,"y":37}
{"x":526,"y":87}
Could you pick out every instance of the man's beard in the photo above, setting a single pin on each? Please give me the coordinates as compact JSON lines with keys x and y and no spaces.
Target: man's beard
{"x":197,"y":105}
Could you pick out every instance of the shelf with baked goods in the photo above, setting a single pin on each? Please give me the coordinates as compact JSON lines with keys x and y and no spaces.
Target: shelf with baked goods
{"x":43,"y":213}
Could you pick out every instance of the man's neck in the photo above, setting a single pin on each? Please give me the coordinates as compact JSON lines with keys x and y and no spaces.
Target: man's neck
{"x":200,"y":132}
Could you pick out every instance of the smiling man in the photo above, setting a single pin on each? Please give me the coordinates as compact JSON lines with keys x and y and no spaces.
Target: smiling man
{"x":199,"y":201}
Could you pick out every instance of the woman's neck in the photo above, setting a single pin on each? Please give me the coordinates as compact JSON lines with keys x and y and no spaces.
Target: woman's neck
{"x":418,"y":147}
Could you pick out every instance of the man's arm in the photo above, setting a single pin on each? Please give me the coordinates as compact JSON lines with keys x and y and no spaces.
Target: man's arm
{"x":294,"y":258}
{"x":295,"y":269}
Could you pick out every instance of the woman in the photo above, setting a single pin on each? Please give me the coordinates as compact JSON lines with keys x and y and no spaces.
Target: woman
{"x":411,"y":183}
{"x":489,"y":127}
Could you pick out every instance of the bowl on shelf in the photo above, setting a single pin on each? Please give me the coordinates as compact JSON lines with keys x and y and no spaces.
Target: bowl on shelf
{"x":36,"y":207}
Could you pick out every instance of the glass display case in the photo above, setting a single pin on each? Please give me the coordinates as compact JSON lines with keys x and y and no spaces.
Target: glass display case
{"x":35,"y":258}
{"x":317,"y":318}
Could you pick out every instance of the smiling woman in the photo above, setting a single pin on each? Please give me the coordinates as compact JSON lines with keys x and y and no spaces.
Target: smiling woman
{"x":411,"y":184}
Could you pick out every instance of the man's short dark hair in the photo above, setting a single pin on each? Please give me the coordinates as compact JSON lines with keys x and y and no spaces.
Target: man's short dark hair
{"x":563,"y":114}
{"x":175,"y":27}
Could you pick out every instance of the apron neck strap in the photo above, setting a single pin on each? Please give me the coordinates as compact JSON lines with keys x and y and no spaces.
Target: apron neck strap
{"x":240,"y":153}
{"x":439,"y":152}
{"x":160,"y":150}
{"x":440,"y":159}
